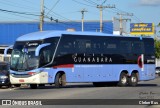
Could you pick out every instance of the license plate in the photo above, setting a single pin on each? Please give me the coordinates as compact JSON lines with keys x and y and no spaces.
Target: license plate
{"x":21,"y":80}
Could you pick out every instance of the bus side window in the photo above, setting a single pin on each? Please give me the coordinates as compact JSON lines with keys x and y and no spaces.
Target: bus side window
{"x":82,"y":46}
{"x":66,"y":48}
{"x":138,"y":47}
{"x":88,"y":45}
{"x":111,"y":47}
{"x":149,"y":47}
{"x":41,"y":57}
{"x":125,"y":47}
{"x":45,"y":56}
{"x":97,"y":48}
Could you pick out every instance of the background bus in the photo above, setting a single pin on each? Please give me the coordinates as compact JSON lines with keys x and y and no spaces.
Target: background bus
{"x":59,"y":56}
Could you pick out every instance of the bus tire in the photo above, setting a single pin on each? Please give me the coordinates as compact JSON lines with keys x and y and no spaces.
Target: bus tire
{"x":33,"y":86}
{"x":60,"y":80}
{"x":133,"y":80}
{"x":123,"y":80}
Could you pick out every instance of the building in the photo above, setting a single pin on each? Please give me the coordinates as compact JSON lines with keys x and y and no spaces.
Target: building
{"x":9,"y":31}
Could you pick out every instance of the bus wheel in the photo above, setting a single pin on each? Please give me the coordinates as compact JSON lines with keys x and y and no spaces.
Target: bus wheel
{"x":133,"y":80}
{"x":60,"y":80}
{"x":123,"y":80}
{"x":33,"y":86}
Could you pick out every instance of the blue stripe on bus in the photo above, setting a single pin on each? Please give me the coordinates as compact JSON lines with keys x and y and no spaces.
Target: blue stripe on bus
{"x":101,"y":73}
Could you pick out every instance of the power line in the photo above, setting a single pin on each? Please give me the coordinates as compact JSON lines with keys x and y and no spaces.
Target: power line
{"x":53,"y":7}
{"x":120,"y":10}
{"x":90,"y":2}
{"x":138,"y":19}
{"x":27,"y":1}
{"x":58,"y":21}
{"x":82,"y":3}
{"x":111,"y":10}
{"x":134,"y":16}
{"x":60,"y":16}
{"x":18,"y":5}
{"x":104,"y":2}
{"x":4,"y":17}
{"x":20,"y":16}
{"x":24,"y":13}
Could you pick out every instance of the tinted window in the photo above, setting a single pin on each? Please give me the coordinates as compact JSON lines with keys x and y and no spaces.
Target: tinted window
{"x":46,"y":53}
{"x":103,"y":45}
{"x":111,"y":46}
{"x":125,"y":46}
{"x":149,"y":46}
{"x":138,"y":47}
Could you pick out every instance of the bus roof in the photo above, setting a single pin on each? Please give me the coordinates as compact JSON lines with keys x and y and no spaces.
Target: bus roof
{"x":47,"y":34}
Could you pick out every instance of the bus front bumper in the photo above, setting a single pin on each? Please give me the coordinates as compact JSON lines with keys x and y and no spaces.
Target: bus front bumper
{"x":39,"y":78}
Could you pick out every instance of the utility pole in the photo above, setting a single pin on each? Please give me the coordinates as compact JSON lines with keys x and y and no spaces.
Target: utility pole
{"x":101,"y":7}
{"x":42,"y":16}
{"x":121,"y":20}
{"x":82,"y":11}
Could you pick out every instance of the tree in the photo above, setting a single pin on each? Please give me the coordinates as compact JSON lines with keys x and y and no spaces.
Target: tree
{"x":158,"y":26}
{"x":157,"y":49}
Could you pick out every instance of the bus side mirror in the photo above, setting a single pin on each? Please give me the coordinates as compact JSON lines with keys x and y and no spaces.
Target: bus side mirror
{"x":40,"y":47}
{"x":6,"y":49}
{"x":5,"y":53}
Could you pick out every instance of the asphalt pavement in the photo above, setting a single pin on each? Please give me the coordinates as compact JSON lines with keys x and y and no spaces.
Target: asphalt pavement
{"x":86,"y":95}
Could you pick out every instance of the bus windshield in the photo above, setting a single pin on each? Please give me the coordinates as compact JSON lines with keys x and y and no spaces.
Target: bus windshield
{"x":23,"y":56}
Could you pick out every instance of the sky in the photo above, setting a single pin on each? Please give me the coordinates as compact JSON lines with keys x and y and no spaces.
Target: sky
{"x":146,"y":11}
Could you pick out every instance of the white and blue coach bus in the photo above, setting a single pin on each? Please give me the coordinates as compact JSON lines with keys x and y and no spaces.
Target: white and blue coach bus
{"x":59,"y":57}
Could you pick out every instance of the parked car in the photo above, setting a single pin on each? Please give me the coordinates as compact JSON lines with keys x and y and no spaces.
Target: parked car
{"x":158,"y":70}
{"x":4,"y":74}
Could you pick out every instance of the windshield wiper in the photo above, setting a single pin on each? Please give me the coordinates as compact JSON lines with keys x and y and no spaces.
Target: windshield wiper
{"x":25,"y":62}
{"x":16,"y":67}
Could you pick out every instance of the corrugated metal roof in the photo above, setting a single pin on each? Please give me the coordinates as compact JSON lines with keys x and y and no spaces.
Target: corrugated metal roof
{"x":10,"y":31}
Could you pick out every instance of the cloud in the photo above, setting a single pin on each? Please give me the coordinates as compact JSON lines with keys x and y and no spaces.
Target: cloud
{"x":150,"y":2}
